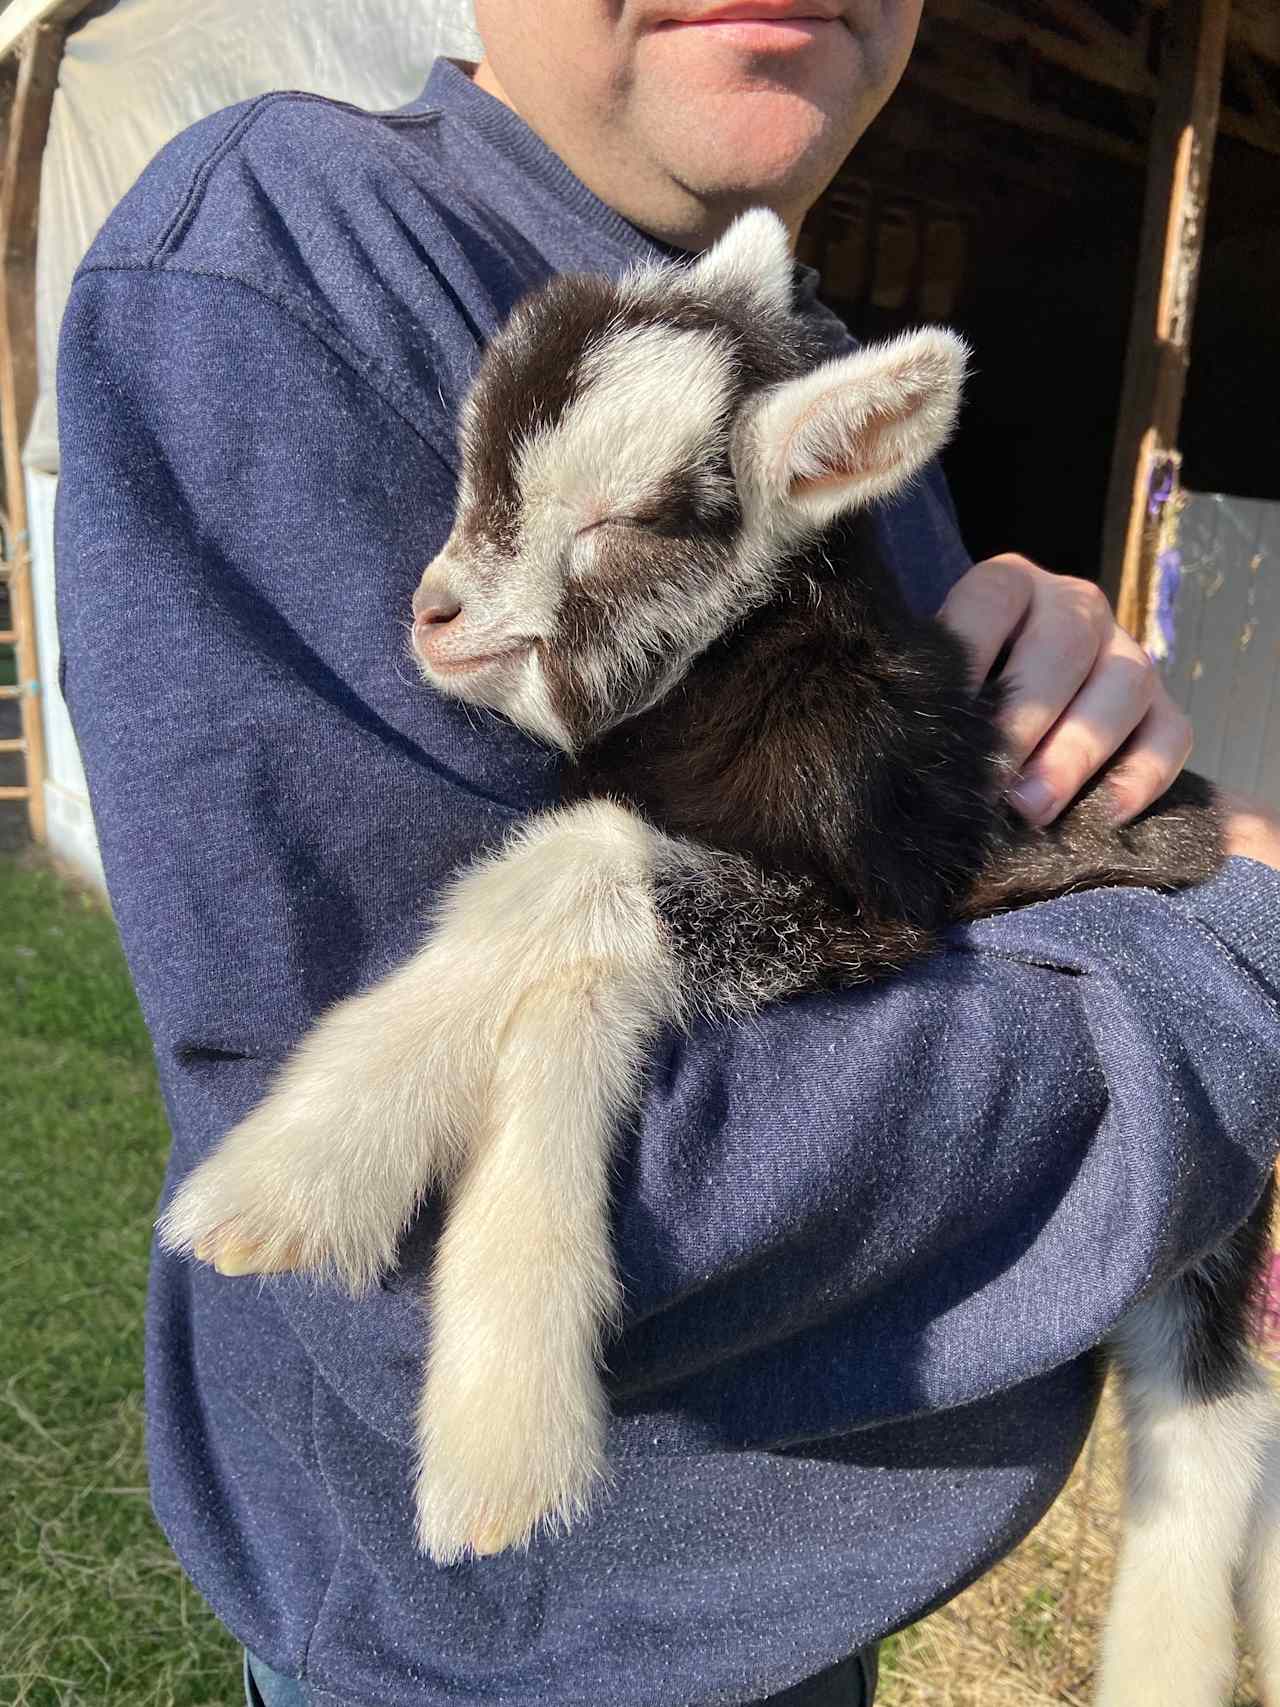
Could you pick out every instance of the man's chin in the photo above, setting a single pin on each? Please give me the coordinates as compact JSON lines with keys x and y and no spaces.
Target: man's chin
{"x":754,"y":122}
{"x":776,"y":151}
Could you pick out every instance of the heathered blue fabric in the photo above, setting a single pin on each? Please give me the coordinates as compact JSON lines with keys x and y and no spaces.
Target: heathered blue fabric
{"x":868,"y":1241}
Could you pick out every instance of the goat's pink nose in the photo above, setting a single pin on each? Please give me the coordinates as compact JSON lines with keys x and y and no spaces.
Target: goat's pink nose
{"x":435,"y":610}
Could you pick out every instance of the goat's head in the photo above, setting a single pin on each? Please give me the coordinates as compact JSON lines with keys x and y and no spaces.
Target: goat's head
{"x":640,"y":459}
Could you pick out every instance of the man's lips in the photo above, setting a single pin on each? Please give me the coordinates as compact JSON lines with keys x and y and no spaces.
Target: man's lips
{"x":794,"y":24}
{"x":806,"y":12}
{"x":754,"y":31}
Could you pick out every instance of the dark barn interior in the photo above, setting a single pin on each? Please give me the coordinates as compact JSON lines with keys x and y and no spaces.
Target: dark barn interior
{"x":1002,"y":191}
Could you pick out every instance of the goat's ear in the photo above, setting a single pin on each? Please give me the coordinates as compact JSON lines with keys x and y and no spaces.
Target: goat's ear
{"x":753,"y":260}
{"x":857,"y":428}
{"x":751,"y":264}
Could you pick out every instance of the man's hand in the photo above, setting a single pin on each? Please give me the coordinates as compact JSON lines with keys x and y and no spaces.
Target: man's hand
{"x":1078,"y":688}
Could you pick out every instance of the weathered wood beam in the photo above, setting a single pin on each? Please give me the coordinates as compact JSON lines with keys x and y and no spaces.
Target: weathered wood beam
{"x":1255,"y":23}
{"x":1260,"y":135}
{"x":39,"y":55}
{"x":993,"y":98}
{"x":8,"y":94}
{"x":1125,"y":72}
{"x":19,"y":217}
{"x":1263,"y":116}
{"x":1101,"y":35}
{"x":19,"y":16}
{"x":1172,"y":236}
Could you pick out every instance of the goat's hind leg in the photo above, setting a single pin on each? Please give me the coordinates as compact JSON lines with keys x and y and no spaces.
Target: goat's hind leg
{"x":1259,"y":1589}
{"x":1200,"y":1418}
{"x":1260,"y":1577}
{"x":512,"y":1421}
{"x":623,"y":929}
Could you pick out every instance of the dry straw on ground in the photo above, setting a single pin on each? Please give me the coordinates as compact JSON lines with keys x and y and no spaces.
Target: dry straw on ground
{"x":1026,"y":1635}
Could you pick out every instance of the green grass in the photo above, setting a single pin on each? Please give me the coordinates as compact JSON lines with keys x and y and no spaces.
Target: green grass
{"x":889,"y":1652}
{"x":94,"y":1611}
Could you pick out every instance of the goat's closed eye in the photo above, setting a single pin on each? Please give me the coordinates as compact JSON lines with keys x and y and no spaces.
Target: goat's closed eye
{"x":615,"y":522}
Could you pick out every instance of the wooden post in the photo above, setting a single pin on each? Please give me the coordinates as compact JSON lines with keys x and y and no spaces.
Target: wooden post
{"x":29,"y":105}
{"x":1178,"y":165}
{"x":18,"y":17}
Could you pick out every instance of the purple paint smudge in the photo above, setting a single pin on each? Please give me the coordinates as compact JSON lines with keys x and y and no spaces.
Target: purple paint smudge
{"x":1168,"y":580}
{"x":1162,"y":483}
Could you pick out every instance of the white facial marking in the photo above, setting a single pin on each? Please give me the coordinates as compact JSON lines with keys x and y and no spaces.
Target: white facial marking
{"x":652,"y":397}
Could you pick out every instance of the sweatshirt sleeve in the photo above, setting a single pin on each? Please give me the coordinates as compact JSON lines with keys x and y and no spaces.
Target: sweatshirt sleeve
{"x":860,"y":1206}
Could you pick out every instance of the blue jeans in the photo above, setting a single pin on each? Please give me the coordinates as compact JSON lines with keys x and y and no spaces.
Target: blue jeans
{"x":852,"y":1683}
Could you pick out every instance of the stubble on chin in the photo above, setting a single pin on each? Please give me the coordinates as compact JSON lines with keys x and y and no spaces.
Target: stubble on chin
{"x":751,"y":131}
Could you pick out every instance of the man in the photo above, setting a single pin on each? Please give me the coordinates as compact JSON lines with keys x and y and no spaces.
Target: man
{"x":868,"y":1243}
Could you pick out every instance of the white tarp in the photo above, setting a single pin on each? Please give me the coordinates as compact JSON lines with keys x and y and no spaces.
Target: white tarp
{"x":68,"y":820}
{"x":131,"y":79}
{"x":134,"y":77}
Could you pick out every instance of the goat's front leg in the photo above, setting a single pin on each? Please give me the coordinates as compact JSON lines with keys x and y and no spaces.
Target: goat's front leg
{"x":374,"y":1107}
{"x":512,"y":1421}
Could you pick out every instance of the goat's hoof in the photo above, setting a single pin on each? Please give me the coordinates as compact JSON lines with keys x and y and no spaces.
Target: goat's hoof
{"x":496,"y":1534}
{"x":231,"y":1254}
{"x":256,"y":1207}
{"x":470,"y":1503}
{"x":450,"y":1531}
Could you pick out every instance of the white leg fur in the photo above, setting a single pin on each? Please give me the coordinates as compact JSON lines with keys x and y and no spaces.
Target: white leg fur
{"x":1260,"y":1577}
{"x":1194,"y":1470}
{"x":366,"y":1114}
{"x":379,"y":1101}
{"x":512,"y":1422}
{"x":503,"y":1056}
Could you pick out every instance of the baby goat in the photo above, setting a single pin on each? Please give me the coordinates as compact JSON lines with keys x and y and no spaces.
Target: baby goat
{"x":777,"y":781}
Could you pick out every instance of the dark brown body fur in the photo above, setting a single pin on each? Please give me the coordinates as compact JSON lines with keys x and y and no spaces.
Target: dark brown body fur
{"x":834,"y":740}
{"x":835,"y":737}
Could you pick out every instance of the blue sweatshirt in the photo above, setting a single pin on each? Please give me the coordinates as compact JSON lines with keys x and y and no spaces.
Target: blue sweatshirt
{"x":868,"y":1242}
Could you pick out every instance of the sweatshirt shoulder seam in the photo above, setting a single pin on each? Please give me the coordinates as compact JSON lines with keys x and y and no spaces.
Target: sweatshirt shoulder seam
{"x":190,"y":201}
{"x":1239,"y":958}
{"x":366,"y":368}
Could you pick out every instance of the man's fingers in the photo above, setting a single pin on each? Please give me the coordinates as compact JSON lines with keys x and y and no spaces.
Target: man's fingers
{"x":1115,"y":701}
{"x":1077,"y":689}
{"x":1157,"y":751}
{"x":1053,"y":659}
{"x":987,"y":606}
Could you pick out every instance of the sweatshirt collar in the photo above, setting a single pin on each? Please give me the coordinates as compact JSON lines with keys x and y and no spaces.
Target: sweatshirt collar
{"x":450,"y":90}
